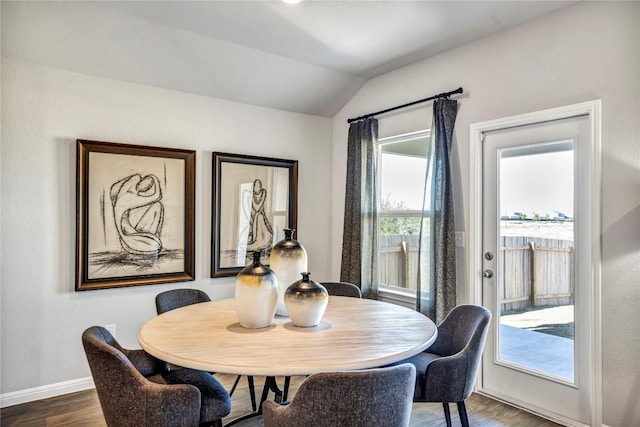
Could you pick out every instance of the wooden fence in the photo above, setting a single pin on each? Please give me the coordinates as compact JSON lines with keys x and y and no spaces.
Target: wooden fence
{"x":399,"y":261}
{"x":535,"y":271}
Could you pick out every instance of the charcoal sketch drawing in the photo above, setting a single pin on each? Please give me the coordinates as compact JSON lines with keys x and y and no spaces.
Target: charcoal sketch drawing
{"x":134,"y":221}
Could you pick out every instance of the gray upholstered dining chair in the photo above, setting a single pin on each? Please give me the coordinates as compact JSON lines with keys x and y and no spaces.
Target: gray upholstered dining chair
{"x":134,"y":389}
{"x":342,"y":289}
{"x":446,"y":371}
{"x":176,"y":298}
{"x":365,"y":398}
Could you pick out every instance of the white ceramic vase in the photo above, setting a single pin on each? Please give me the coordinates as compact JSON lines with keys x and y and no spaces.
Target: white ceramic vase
{"x":288,"y":259}
{"x":256,"y":295}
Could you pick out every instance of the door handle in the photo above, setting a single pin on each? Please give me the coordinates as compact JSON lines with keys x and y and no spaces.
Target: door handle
{"x":488,"y":274}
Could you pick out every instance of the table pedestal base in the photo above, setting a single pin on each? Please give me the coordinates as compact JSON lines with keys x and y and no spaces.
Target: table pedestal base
{"x":270,"y":384}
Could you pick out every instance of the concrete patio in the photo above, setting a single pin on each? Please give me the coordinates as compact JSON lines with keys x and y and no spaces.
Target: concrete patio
{"x":521,"y":344}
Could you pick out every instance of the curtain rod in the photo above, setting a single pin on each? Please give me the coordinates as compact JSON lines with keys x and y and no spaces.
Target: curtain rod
{"x":431,"y":98}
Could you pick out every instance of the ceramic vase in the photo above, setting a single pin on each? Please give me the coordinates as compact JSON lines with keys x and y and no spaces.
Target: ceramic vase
{"x":288,"y":259}
{"x":306,"y":301}
{"x":256,"y":295}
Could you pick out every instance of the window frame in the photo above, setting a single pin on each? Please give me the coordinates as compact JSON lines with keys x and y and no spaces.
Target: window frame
{"x":390,"y":293}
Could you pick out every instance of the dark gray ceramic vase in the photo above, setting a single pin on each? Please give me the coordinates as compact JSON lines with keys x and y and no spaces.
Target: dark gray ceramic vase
{"x":306,"y":301}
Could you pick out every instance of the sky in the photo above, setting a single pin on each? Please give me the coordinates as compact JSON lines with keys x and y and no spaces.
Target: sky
{"x":540,"y":183}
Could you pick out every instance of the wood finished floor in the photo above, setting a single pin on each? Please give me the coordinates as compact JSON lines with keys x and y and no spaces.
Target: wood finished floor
{"x":83,"y":409}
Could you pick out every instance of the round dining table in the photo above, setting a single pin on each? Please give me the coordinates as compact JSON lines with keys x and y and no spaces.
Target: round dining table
{"x":353,"y":334}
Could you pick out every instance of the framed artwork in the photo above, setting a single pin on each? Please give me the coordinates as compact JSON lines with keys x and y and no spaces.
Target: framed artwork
{"x":135,"y":208}
{"x":254,"y":199}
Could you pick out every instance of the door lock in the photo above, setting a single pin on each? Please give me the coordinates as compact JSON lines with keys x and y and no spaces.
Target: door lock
{"x":488,"y":274}
{"x":488,"y":256}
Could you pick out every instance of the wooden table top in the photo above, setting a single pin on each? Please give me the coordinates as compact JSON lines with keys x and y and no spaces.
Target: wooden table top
{"x":353,"y":334}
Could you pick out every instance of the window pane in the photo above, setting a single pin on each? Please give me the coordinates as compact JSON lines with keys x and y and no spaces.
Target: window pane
{"x":399,"y":258}
{"x":536,"y":285}
{"x":402,"y":182}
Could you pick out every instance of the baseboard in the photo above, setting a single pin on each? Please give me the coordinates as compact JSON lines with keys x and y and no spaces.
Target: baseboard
{"x":43,"y":392}
{"x":538,"y":411}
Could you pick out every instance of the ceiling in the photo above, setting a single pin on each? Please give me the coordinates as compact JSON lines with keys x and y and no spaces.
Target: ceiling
{"x":310,"y":57}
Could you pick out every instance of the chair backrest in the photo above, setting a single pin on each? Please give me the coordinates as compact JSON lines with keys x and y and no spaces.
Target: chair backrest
{"x":461,"y":339}
{"x":127,"y":398}
{"x":342,"y":289}
{"x":365,"y":398}
{"x":175,"y":298}
{"x":465,"y":326}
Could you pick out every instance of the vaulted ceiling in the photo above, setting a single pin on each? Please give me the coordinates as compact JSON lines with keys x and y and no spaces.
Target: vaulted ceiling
{"x":310,"y":57}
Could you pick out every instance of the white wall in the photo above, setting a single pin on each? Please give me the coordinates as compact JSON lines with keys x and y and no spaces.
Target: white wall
{"x":585,"y":52}
{"x":44,"y":110}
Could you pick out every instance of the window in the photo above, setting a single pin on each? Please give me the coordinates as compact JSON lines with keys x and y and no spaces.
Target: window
{"x":402,"y":166}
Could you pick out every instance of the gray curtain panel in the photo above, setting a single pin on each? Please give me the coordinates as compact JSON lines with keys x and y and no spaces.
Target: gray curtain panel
{"x":360,"y":234}
{"x":437,"y":253}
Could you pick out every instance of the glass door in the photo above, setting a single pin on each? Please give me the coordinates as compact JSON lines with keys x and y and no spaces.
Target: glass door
{"x":537,"y":352}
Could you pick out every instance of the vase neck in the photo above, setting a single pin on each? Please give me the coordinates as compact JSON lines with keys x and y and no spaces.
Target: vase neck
{"x":288,"y":233}
{"x":256,"y":258}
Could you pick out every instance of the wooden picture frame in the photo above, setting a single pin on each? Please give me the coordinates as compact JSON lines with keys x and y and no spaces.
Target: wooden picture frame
{"x":135,"y":215}
{"x":254,"y":199}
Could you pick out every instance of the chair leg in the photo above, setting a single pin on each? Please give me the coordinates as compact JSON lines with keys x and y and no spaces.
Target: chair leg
{"x":447,"y":413}
{"x":252,"y":393}
{"x":462,"y":410}
{"x":235,"y":384}
{"x":287,"y":382}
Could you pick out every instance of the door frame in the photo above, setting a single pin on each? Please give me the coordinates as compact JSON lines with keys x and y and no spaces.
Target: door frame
{"x":474,"y":249}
